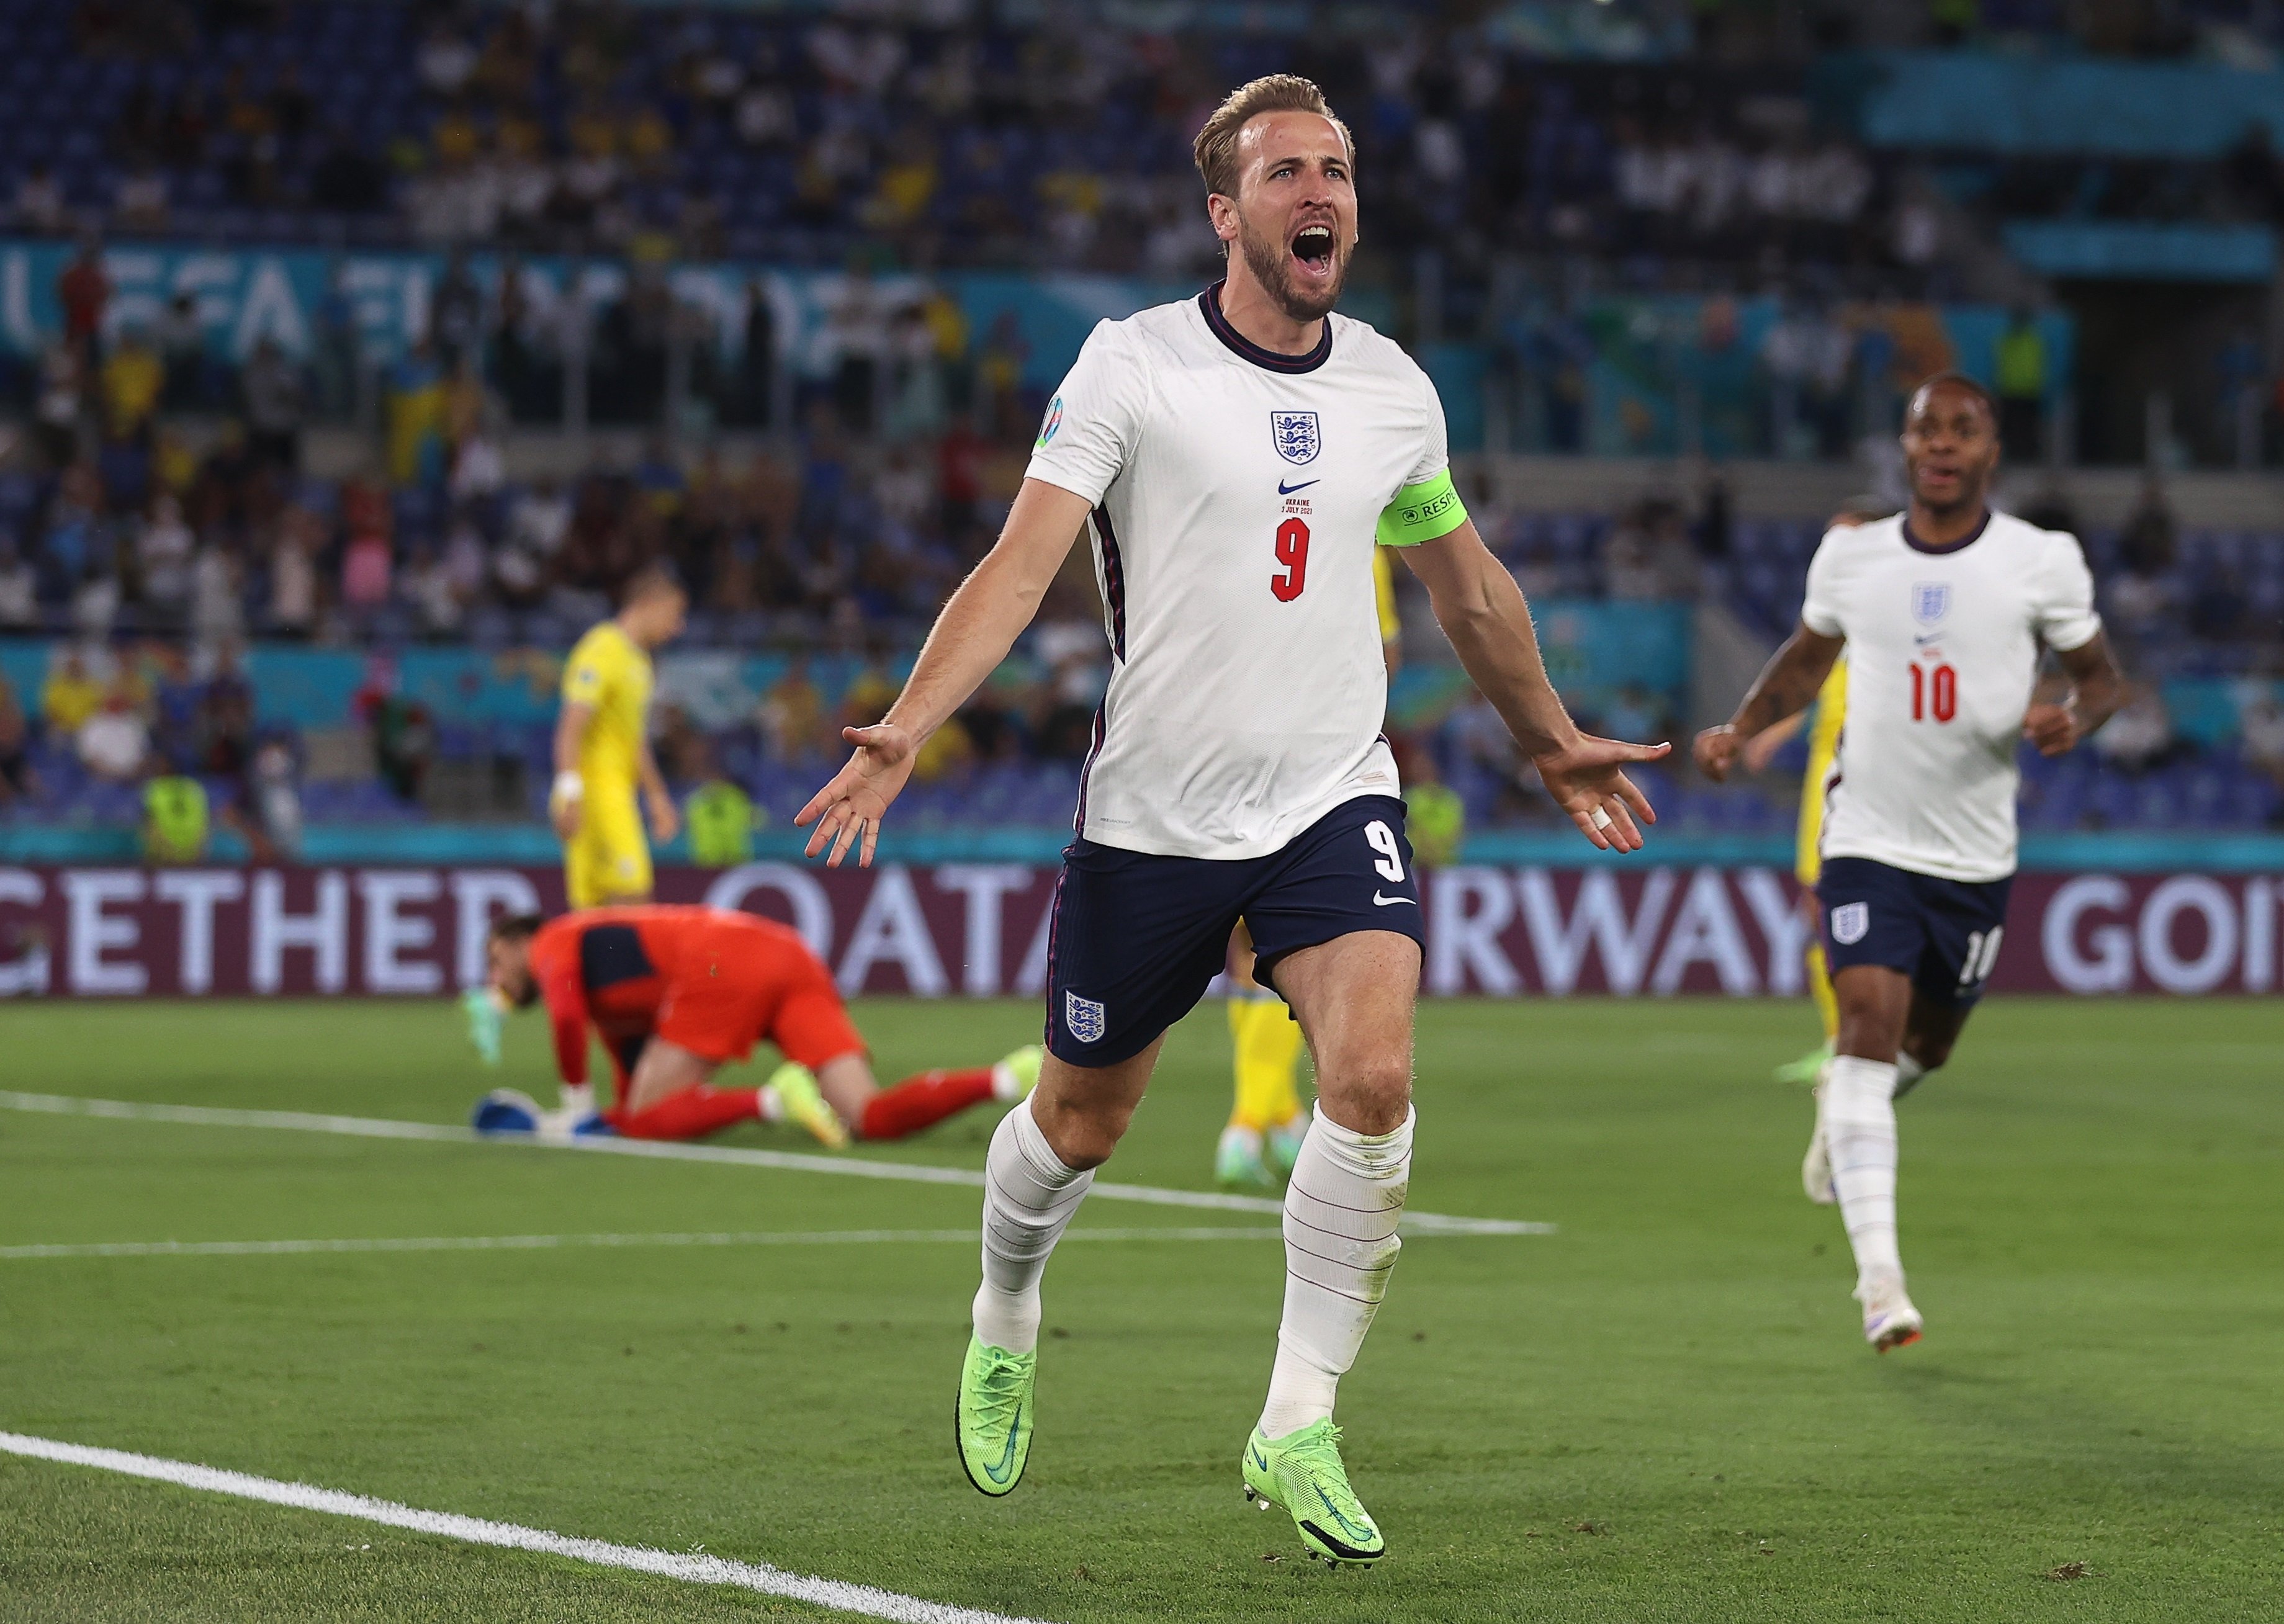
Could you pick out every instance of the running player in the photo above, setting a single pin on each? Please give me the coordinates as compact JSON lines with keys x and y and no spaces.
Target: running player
{"x":602,"y":747}
{"x":674,"y":993}
{"x":1267,"y":1119}
{"x":1822,"y":720}
{"x":1233,"y":459}
{"x":1943,"y":611}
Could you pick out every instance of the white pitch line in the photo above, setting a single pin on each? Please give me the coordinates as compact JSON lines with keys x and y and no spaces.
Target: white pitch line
{"x":838,"y":1595}
{"x":549,"y":1242}
{"x":845,"y":1167}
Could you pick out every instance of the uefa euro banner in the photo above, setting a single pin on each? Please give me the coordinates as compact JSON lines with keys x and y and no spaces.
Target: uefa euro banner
{"x":979,"y":930}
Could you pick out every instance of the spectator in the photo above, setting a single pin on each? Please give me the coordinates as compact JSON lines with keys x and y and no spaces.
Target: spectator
{"x":294,"y":574}
{"x":165,"y":546}
{"x":181,"y":341}
{"x":56,"y":415}
{"x":20,"y":588}
{"x":791,"y":715}
{"x":2262,"y":721}
{"x":70,"y":695}
{"x":2140,"y":735}
{"x":275,"y":405}
{"x":2023,"y":387}
{"x":218,"y":611}
{"x":366,"y":568}
{"x":132,"y":379}
{"x":141,"y":201}
{"x":84,"y":293}
{"x":267,"y":815}
{"x":15,"y":777}
{"x":115,"y":743}
{"x":39,"y":202}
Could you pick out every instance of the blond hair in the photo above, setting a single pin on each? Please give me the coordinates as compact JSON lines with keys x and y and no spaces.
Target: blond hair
{"x":1216,"y":147}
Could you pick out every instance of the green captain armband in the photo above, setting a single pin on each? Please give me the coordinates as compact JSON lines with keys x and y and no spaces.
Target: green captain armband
{"x":1422,"y":513}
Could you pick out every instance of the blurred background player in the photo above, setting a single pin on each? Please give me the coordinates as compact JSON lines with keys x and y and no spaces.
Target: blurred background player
{"x":674,"y":993}
{"x":1268,"y":1117}
{"x":1823,"y":722}
{"x":1946,"y":612}
{"x":602,"y":757}
{"x":602,"y":747}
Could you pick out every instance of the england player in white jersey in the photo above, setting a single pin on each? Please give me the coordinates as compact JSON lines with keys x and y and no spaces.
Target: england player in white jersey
{"x":1234,"y":459}
{"x":1944,"y":612}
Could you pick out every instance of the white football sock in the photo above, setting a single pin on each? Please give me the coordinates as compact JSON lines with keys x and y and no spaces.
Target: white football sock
{"x":768,"y":1102}
{"x":1908,"y":1072}
{"x":578,"y":1100}
{"x":1859,"y":1130}
{"x":1340,"y":1213}
{"x":1029,"y":1197}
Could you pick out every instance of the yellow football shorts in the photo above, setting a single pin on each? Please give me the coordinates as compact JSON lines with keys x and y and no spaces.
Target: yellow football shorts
{"x":608,"y":860}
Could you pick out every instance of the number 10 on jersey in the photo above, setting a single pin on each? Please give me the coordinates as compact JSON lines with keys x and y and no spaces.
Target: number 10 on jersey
{"x":1936,"y":691}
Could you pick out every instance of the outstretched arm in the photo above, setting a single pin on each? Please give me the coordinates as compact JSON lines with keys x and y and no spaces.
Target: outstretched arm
{"x":978,"y":626}
{"x":1482,"y":612}
{"x":2097,"y":688}
{"x":1784,"y":688}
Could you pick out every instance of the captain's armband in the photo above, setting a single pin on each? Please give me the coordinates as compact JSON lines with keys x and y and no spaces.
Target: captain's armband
{"x":1422,"y":513}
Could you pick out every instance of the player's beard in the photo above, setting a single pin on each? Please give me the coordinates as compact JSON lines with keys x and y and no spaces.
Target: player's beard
{"x":1271,"y":264}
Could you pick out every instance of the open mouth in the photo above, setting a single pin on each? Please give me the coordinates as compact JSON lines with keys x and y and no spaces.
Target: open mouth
{"x":1312,"y":246}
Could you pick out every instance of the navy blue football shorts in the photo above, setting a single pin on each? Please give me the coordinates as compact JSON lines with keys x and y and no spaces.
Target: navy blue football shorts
{"x":1943,"y":934}
{"x":1137,"y":937}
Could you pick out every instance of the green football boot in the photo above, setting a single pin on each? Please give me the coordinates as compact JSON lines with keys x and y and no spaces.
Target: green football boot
{"x":1805,"y":1068}
{"x":1284,"y":1146}
{"x":482,"y":1009}
{"x":1239,"y":1163}
{"x":993,"y":1417}
{"x":1301,"y":1471}
{"x":1016,"y":1075}
{"x":796,"y":1087}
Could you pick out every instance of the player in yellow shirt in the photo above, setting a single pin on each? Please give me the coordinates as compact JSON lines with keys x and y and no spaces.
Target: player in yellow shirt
{"x":602,"y":747}
{"x":1268,"y":1119}
{"x":1823,"y":721}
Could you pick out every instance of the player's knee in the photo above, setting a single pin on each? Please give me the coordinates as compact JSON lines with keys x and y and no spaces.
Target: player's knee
{"x":1081,"y":1134}
{"x":1931,"y":1050}
{"x":1369,"y":1095}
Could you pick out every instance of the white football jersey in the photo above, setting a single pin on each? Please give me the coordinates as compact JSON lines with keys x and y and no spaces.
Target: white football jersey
{"x":1236,"y":494}
{"x":1942,"y":655}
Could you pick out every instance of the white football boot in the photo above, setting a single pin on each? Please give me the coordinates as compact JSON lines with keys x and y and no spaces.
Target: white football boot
{"x":1889,"y":1320}
{"x":1816,"y":1166}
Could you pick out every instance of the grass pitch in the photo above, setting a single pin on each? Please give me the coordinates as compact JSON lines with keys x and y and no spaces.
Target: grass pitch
{"x":1663,"y":1411}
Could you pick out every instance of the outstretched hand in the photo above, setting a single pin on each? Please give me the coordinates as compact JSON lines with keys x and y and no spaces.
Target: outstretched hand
{"x":1587,"y":780}
{"x":847,"y":811}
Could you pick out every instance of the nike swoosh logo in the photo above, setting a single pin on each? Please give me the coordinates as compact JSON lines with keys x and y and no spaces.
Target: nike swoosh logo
{"x":1349,"y":1529}
{"x":1283,"y":489}
{"x":1261,"y":1460}
{"x":1378,"y":901}
{"x":999,"y":1474}
{"x":1923,"y":642}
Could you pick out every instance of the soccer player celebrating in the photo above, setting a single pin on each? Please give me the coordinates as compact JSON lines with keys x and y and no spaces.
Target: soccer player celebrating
{"x":1234,"y":458}
{"x":1943,"y":611}
{"x":602,"y":747}
{"x":675,"y":992}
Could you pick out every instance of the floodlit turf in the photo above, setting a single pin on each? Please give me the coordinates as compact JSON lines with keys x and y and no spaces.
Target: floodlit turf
{"x":1662,"y":1412}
